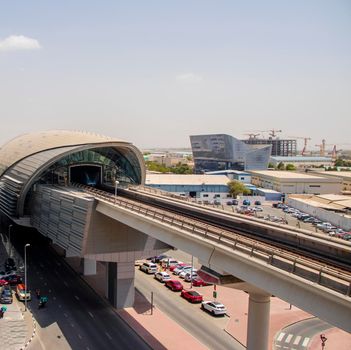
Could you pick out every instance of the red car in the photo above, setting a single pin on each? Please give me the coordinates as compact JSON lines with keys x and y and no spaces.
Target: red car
{"x":3,"y":283}
{"x":192,"y":296}
{"x":13,"y":280}
{"x":198,"y":282}
{"x":176,"y":286}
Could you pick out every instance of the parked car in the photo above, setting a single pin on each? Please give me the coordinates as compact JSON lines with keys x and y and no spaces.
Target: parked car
{"x":216,"y":202}
{"x":190,"y":276}
{"x":185,"y":271}
{"x":191,"y":295}
{"x":232,"y":202}
{"x":22,"y":293}
{"x":214,"y":307}
{"x":148,"y":267}
{"x":257,"y":209}
{"x":6,"y":295}
{"x":169,"y":261}
{"x":179,"y":269}
{"x":199,"y":282}
{"x":3,"y":283}
{"x":174,"y":285}
{"x":13,"y":280}
{"x":162,"y":276}
{"x":173,"y":267}
{"x":258,"y":203}
{"x":158,"y":258}
{"x":246,"y":202}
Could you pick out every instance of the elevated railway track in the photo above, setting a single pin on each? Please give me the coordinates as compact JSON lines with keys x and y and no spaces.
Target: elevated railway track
{"x":299,"y":252}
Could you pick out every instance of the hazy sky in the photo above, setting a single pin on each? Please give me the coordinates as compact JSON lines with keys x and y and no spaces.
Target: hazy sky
{"x":154,"y":72}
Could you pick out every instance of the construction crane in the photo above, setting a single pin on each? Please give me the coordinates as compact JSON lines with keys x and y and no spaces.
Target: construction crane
{"x":305,"y":140}
{"x":334,"y":151}
{"x":272,"y":132}
{"x":252,"y":136}
{"x":322,"y":148}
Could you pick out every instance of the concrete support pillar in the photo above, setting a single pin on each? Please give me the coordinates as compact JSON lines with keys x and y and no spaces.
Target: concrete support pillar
{"x":258,"y":322}
{"x":89,"y":267}
{"x":121,"y":284}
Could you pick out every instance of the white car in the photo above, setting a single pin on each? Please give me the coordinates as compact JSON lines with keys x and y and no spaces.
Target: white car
{"x":185,"y":271}
{"x":162,"y":276}
{"x":188,"y":276}
{"x":214,"y":307}
{"x":179,"y":269}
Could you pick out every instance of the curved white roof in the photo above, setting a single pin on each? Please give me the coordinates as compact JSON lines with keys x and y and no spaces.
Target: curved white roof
{"x":31,"y":143}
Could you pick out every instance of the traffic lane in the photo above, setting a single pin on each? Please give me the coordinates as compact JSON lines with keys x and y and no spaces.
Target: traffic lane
{"x":79,"y":311}
{"x":71,"y":316}
{"x":207,"y":329}
{"x":298,"y":335}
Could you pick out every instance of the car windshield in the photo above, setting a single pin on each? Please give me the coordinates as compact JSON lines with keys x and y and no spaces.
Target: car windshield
{"x":195,"y":294}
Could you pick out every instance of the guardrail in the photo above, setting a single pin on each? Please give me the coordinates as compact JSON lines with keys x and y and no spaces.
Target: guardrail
{"x":308,"y":269}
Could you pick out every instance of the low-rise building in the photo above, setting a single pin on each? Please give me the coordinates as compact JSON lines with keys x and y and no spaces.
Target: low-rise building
{"x":294,"y":182}
{"x":238,"y":175}
{"x":302,"y":162}
{"x":200,"y":187}
{"x":344,"y":175}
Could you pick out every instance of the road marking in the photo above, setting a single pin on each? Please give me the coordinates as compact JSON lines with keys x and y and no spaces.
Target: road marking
{"x":108,"y":336}
{"x":91,"y":315}
{"x":72,"y":325}
{"x":79,"y":336}
{"x":76,"y":297}
{"x":297,"y":340}
{"x":281,"y":336}
{"x":65,"y":283}
{"x":305,"y":342}
{"x":288,"y":338}
{"x":60,"y":306}
{"x":65,"y":314}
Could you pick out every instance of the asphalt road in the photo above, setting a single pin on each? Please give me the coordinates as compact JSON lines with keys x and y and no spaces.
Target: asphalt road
{"x":75,"y":316}
{"x":298,"y":335}
{"x":207,"y":329}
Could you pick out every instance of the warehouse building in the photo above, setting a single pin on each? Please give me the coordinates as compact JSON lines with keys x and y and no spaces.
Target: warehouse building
{"x":294,"y":182}
{"x":302,"y":162}
{"x":345,"y":176}
{"x":200,"y":187}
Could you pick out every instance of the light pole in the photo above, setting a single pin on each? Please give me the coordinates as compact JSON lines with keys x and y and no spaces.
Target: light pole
{"x":10,"y":248}
{"x":116,"y":184}
{"x":25,"y":276}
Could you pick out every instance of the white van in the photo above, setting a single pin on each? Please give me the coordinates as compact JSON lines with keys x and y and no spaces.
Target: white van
{"x":148,"y":267}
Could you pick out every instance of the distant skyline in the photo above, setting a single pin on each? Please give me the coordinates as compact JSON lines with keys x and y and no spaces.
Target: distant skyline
{"x":156,"y":72}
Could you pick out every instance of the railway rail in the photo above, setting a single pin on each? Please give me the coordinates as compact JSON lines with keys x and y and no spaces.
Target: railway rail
{"x":313,"y":270}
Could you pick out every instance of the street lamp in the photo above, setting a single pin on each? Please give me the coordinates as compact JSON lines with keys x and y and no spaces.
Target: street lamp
{"x":9,"y":243}
{"x":25,"y":276}
{"x":116,"y":184}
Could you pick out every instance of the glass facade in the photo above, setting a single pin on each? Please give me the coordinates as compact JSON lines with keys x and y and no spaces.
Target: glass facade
{"x":224,"y":152}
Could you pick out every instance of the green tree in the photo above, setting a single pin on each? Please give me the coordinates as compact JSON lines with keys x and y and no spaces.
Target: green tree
{"x":271,"y":165}
{"x":236,"y":188}
{"x":281,"y":166}
{"x":290,"y":167}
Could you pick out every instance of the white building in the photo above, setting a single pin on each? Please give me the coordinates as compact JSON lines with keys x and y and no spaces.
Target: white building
{"x":202,"y":187}
{"x":294,"y":182}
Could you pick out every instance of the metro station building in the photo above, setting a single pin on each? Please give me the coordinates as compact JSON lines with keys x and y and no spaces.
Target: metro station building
{"x":38,"y":173}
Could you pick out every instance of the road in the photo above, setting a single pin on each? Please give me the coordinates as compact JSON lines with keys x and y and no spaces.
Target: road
{"x":298,"y":335}
{"x":75,"y":317}
{"x":207,"y":329}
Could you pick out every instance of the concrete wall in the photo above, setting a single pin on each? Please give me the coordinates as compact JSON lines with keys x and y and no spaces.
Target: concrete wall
{"x":322,"y":214}
{"x":110,"y":240}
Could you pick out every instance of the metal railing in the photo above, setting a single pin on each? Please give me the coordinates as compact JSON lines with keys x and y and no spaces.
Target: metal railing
{"x":295,"y":264}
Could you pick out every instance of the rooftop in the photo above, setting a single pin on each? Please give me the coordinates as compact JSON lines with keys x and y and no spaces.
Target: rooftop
{"x":175,"y":179}
{"x":301,"y":159}
{"x":288,"y":175}
{"x":343,"y":174}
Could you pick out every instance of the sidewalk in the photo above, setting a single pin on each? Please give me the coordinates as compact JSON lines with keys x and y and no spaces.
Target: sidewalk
{"x":17,"y":328}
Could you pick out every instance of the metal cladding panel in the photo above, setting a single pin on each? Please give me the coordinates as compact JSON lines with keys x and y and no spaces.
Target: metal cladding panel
{"x":28,"y":144}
